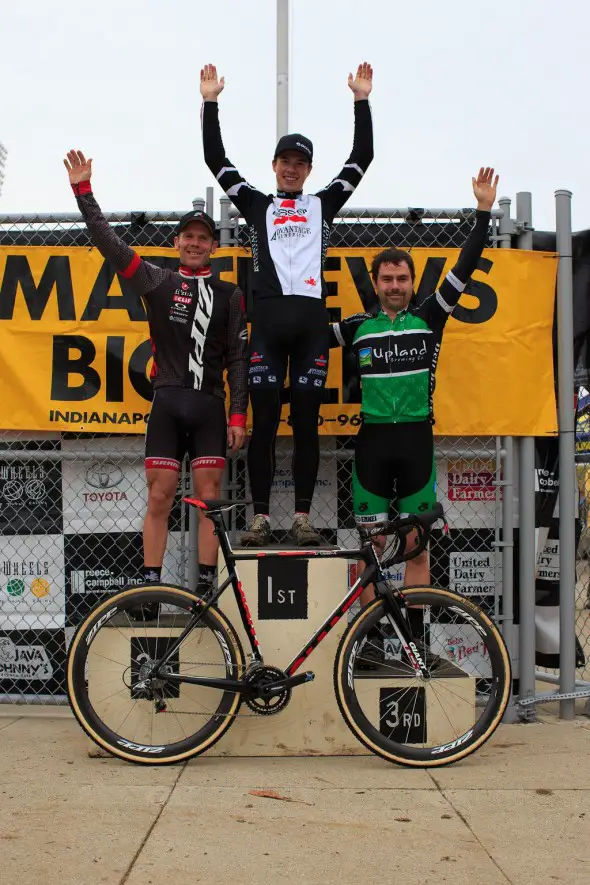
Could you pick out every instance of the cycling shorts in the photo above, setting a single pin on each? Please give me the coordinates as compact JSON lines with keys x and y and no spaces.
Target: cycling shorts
{"x":393,"y":466}
{"x":291,"y":330}
{"x":181,"y":421}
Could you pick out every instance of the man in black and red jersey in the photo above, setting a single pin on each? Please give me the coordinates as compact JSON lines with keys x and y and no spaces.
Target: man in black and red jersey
{"x":289,"y":235}
{"x":198,"y":328}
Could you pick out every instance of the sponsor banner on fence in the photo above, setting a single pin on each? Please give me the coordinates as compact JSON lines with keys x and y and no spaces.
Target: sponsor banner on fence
{"x":100,"y":564}
{"x":75,"y":354}
{"x":30,"y":497}
{"x":32,"y":585}
{"x":108,"y":492}
{"x":32,"y":662}
{"x":468,"y":492}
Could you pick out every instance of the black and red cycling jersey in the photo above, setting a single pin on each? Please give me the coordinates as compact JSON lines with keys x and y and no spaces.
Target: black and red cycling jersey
{"x":197,"y":322}
{"x":289,"y":233}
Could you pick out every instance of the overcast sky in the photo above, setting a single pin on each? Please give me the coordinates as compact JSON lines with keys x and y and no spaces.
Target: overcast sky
{"x":457,"y":84}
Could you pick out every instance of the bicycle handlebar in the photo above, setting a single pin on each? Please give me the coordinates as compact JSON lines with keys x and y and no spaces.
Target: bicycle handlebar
{"x":420,"y":522}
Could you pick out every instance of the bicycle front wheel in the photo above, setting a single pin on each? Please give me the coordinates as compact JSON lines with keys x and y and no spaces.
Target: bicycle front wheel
{"x":121,"y":707}
{"x":409,"y":719}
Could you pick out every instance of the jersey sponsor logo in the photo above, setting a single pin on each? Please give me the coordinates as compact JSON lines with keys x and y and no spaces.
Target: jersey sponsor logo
{"x":287,"y":211}
{"x":184,"y":286}
{"x":302,"y":379}
{"x":320,"y":372}
{"x":365,"y":357}
{"x":204,"y":461}
{"x":408,"y":354}
{"x":256,"y":379}
{"x":201,"y":322}
{"x":318,"y":382}
{"x":310,"y":281}
{"x":256,"y":357}
{"x":283,"y":233}
{"x":292,"y":217}
{"x":183,"y":299}
{"x":321,"y":360}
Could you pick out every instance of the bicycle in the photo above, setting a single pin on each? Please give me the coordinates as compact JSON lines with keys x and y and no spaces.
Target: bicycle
{"x":442,"y":655}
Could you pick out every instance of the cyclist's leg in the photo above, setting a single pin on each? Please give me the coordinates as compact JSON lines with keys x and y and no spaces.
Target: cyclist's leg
{"x":372,"y":482}
{"x":207,"y":448}
{"x":416,"y":488}
{"x":163,"y":454}
{"x":266,"y":377}
{"x":308,"y":374}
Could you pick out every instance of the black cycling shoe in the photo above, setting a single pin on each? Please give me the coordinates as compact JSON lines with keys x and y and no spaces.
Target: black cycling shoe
{"x":372,"y":655}
{"x":147,"y":611}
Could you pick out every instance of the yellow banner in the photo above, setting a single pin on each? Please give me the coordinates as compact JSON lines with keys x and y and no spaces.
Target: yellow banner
{"x":75,"y":352}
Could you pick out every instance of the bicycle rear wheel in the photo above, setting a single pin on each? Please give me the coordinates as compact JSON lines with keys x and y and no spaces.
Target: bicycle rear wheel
{"x":138,"y":718}
{"x":409,"y":719}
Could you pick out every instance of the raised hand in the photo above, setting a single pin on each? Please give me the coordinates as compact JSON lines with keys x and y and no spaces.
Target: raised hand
{"x":484,"y":188}
{"x":79,"y":168}
{"x":211,"y":86}
{"x":362,"y":84}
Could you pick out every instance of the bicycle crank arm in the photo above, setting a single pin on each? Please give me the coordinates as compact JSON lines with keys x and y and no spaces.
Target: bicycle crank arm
{"x":290,"y":682}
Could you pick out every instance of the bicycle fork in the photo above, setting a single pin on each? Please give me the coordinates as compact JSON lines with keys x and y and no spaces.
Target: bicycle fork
{"x":397,"y":618}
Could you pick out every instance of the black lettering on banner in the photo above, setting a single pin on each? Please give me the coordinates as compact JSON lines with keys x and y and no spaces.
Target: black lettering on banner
{"x":333,"y":262}
{"x":56,"y":275}
{"x":114,"y":381}
{"x":402,"y":714}
{"x":282,"y":589}
{"x":100,"y":299}
{"x":363,"y":283}
{"x":137,"y":370}
{"x":430,"y":279}
{"x":64,"y":365}
{"x":225,"y":264}
{"x":488,"y":299}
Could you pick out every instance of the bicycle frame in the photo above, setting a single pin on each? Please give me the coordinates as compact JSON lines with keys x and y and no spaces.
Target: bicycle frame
{"x":231,"y":557}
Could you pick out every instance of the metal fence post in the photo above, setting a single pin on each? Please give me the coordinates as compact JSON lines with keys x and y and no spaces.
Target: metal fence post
{"x":209,"y":201}
{"x":507,"y":442}
{"x":567,"y":500}
{"x":225,"y":222}
{"x":199,"y":204}
{"x":527,"y":547}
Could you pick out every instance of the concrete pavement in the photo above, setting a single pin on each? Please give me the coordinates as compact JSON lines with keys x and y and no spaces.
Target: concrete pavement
{"x":516,"y":812}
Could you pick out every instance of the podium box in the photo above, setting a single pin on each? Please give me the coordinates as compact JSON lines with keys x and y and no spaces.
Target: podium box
{"x":289,"y":600}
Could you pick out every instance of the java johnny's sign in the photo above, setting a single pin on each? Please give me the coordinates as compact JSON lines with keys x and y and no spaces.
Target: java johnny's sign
{"x":75,"y":352}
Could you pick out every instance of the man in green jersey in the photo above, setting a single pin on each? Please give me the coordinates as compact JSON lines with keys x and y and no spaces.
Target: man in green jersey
{"x":396,"y":351}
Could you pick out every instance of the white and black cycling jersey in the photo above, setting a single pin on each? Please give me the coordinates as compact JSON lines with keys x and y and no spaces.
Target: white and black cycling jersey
{"x":289,"y":233}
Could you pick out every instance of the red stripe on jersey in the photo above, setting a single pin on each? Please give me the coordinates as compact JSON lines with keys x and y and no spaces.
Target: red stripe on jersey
{"x":82,"y":189}
{"x":199,"y":272}
{"x":131,"y":267}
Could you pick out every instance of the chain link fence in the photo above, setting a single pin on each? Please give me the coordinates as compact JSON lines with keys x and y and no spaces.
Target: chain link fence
{"x":72,"y":505}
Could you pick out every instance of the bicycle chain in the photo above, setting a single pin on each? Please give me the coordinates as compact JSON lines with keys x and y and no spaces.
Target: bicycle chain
{"x":213,"y":712}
